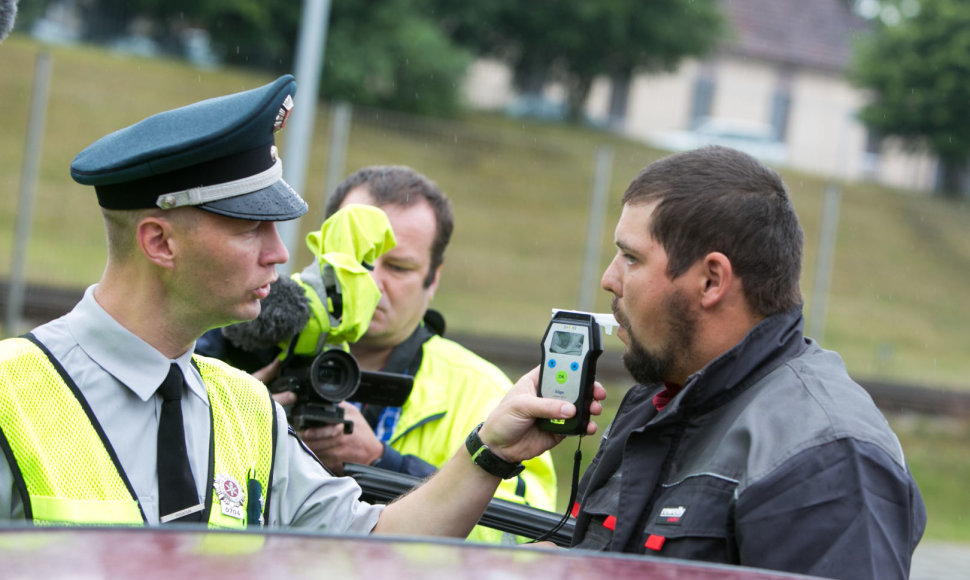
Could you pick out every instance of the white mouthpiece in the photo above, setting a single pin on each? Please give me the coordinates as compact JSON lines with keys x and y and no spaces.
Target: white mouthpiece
{"x":606,"y":320}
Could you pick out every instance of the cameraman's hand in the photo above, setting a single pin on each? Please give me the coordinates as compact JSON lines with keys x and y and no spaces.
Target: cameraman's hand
{"x":269,"y":372}
{"x":286,"y":398}
{"x":334,"y":447}
{"x":510,"y":430}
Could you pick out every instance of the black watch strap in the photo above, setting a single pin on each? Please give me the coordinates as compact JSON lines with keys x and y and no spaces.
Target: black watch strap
{"x":484,"y":458}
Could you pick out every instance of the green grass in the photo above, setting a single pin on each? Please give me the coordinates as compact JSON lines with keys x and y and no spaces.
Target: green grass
{"x":936,"y":450}
{"x":520,"y":189}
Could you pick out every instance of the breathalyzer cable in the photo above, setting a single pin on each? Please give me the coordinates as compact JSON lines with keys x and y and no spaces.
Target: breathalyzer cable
{"x":577,"y":458}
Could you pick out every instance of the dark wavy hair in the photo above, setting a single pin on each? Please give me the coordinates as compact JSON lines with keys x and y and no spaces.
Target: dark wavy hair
{"x":717,"y":199}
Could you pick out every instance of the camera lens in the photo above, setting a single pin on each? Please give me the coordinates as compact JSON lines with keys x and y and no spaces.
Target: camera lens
{"x":334,"y":375}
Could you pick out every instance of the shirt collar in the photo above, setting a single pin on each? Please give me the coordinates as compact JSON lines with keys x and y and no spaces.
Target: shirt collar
{"x":114,"y":348}
{"x":661,"y":399}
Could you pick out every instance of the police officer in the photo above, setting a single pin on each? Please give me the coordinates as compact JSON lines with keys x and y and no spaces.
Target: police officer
{"x":106,"y":415}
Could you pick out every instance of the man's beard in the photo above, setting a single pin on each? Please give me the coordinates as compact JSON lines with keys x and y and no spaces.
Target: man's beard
{"x":656,"y":367}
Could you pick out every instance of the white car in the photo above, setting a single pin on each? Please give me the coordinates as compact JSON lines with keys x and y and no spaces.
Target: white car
{"x":756,"y":139}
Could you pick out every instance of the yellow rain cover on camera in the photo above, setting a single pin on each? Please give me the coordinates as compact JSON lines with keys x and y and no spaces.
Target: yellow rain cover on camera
{"x":339,"y":286}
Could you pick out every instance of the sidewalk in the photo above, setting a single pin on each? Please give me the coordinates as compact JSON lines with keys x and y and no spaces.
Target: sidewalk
{"x":940,"y":561}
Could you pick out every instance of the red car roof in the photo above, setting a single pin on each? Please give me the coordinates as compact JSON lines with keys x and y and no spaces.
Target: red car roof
{"x":150,"y":553}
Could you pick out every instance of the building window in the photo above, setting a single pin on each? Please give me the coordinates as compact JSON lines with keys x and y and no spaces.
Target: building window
{"x":703,"y":98}
{"x":780,"y":108}
{"x":870,"y":157}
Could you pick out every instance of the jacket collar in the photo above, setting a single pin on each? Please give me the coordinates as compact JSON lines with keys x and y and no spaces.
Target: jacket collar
{"x":771,"y":343}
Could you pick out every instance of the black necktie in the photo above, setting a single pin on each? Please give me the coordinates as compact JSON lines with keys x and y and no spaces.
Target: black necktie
{"x":178,"y":500}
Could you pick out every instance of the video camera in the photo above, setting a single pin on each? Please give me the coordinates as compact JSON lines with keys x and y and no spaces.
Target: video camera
{"x":309,"y":320}
{"x":322,"y":382}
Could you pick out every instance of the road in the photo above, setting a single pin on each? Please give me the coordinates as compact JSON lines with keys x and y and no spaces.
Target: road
{"x":941,"y":561}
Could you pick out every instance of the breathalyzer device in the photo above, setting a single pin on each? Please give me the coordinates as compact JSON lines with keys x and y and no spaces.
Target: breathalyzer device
{"x":570,"y":347}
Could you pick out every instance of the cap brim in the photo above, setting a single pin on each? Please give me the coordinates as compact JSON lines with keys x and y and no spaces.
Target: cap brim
{"x":277,"y":203}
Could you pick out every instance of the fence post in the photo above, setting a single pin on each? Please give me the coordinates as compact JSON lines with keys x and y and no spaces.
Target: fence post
{"x":28,"y":186}
{"x":337,"y":159}
{"x":299,"y":133}
{"x":825,"y":262}
{"x":594,"y":228}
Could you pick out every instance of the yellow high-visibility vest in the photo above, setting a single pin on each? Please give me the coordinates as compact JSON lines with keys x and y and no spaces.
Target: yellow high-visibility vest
{"x":67,"y":471}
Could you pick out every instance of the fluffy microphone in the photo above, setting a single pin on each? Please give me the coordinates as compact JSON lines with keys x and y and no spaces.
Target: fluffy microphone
{"x":285,"y":311}
{"x":8,"y":11}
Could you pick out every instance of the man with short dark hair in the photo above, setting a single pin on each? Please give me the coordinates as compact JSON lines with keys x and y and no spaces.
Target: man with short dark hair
{"x":453,"y":387}
{"x":744,"y":441}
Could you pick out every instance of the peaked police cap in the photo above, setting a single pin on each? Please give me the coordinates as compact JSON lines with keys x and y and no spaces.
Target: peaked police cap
{"x":218,"y":155}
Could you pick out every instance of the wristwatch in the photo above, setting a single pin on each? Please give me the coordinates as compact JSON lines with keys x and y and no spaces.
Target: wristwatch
{"x":484,"y":458}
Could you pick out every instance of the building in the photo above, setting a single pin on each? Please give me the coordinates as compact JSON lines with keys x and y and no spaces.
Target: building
{"x":780,"y":75}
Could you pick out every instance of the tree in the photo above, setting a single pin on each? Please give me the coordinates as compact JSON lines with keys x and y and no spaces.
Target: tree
{"x":382,"y":53}
{"x":918,"y":70}
{"x":387,"y":53}
{"x":248,"y":32}
{"x":573,"y":42}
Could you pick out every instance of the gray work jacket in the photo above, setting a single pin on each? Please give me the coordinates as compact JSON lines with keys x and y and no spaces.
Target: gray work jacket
{"x":769,"y":457}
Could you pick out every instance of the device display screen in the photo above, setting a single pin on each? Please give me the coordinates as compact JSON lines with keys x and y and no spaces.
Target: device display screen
{"x":570,"y":343}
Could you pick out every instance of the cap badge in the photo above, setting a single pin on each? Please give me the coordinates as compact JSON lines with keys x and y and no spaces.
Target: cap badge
{"x":231,"y":496}
{"x":167,"y":201}
{"x":283,"y":114}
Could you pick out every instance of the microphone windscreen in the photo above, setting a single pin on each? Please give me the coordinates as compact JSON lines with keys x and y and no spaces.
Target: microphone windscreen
{"x":284,"y":313}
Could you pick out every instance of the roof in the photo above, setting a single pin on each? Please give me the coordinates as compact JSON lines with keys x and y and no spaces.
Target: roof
{"x":803,"y":33}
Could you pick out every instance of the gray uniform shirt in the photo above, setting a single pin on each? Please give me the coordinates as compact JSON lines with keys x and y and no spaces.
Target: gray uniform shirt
{"x":118,"y":374}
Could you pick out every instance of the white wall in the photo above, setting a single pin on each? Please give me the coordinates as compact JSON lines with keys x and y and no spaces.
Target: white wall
{"x":488,"y":85}
{"x":659,"y":102}
{"x":823,"y":134}
{"x":743,"y":90}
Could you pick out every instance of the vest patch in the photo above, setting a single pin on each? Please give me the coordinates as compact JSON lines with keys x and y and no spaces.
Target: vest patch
{"x":231,"y":496}
{"x":671,"y":515}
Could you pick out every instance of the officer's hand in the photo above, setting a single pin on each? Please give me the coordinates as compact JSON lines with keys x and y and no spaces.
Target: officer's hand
{"x":334,"y":447}
{"x":510,"y":430}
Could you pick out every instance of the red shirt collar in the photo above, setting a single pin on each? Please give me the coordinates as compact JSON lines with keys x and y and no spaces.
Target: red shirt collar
{"x":670,"y":391}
